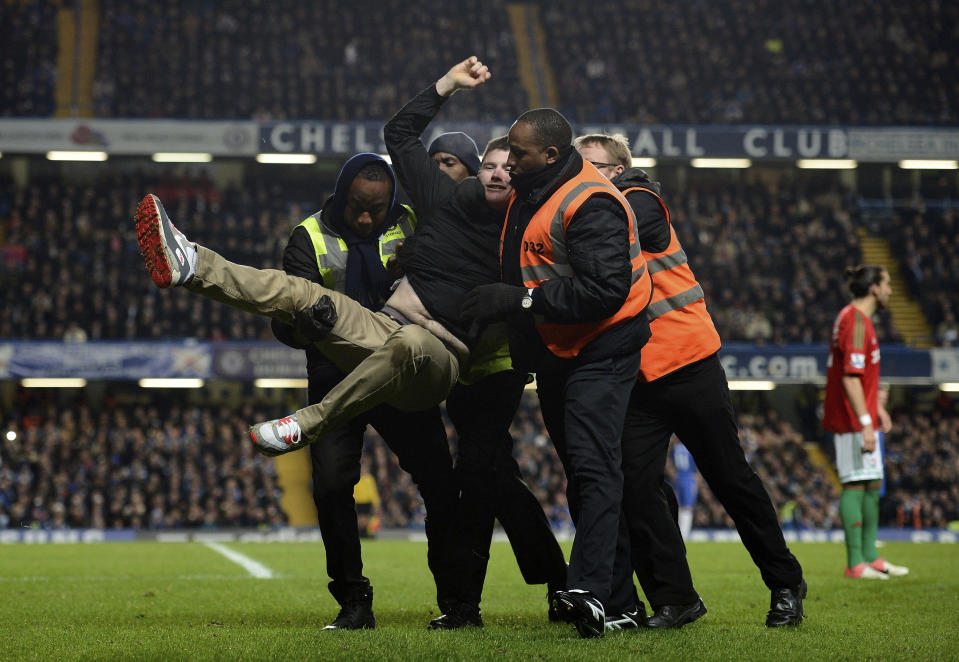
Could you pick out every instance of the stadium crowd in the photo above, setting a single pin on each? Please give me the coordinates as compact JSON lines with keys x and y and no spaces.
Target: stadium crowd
{"x":922,"y":468}
{"x":174,"y":464}
{"x":727,"y":61}
{"x":733,"y":61}
{"x":286,"y":59}
{"x":769,"y":251}
{"x":68,"y":252}
{"x":768,"y":255}
{"x":163,"y":466}
{"x":28,"y":58}
{"x":929,"y":238}
{"x":765,"y":254}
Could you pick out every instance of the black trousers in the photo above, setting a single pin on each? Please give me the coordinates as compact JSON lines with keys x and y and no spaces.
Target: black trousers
{"x":694,"y":404}
{"x":492,"y":487}
{"x":584,"y":405}
{"x":419,"y":441}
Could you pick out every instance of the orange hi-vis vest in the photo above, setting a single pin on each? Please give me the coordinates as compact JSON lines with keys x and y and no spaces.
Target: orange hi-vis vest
{"x":544,"y":255}
{"x":682,"y":330}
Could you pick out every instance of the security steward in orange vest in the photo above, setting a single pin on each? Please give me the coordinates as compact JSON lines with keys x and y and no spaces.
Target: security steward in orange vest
{"x":345,"y":247}
{"x":574,"y":295}
{"x":682,"y":390}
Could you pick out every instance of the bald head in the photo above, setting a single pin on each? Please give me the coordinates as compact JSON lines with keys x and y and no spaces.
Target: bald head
{"x":549,"y":127}
{"x":537,"y":139}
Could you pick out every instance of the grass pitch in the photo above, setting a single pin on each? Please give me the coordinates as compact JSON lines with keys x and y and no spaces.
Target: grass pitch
{"x":185,"y":601}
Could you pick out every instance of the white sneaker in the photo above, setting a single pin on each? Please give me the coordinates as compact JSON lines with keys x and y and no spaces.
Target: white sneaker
{"x":169,"y":256}
{"x":884,"y":566}
{"x":865,"y":571}
{"x":277,"y":437}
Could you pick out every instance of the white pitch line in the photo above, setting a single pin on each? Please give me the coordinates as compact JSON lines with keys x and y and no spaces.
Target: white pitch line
{"x":258,"y":570}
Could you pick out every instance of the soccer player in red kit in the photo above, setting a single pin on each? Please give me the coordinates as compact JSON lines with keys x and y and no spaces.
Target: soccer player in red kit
{"x":853,"y":414}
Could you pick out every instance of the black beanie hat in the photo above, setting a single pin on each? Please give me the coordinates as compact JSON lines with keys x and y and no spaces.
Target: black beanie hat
{"x":459,"y":145}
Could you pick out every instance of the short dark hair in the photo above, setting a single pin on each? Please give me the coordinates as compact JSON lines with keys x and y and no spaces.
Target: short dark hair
{"x":496,"y":143}
{"x":549,"y":126}
{"x":373,"y":172}
{"x":859,"y":279}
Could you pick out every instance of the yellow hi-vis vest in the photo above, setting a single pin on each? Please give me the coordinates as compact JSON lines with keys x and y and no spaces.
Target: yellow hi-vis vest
{"x":331,"y":251}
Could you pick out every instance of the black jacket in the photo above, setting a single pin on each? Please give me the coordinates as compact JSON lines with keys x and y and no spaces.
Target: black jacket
{"x":598,"y":244}
{"x":652,"y":227}
{"x":456,"y":243}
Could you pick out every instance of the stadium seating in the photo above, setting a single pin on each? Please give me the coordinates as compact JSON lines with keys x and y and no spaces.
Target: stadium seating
{"x":929,"y":238}
{"x":770,"y":258}
{"x":293,"y":60}
{"x":633,"y":61}
{"x":168,"y":465}
{"x":731,"y":61}
{"x":769,"y":246}
{"x":172,"y":464}
{"x":28,"y":58}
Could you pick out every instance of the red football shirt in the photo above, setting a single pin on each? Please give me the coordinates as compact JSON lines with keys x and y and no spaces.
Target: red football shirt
{"x":854,"y":350}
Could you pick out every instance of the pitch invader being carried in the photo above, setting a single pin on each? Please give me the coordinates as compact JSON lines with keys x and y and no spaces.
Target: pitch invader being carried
{"x":853,"y":414}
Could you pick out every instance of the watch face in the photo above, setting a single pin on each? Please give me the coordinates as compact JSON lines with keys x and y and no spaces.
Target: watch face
{"x":527,"y":302}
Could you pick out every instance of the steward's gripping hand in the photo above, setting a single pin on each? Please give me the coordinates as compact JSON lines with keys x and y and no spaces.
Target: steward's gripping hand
{"x":496,"y":301}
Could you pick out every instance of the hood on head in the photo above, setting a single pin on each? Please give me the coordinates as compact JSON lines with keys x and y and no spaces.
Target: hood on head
{"x":336,"y":203}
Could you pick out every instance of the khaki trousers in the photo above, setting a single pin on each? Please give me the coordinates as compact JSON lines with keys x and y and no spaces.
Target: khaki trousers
{"x":404,"y":366}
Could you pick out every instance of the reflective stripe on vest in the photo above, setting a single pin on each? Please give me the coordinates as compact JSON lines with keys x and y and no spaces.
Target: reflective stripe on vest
{"x":332,"y":253}
{"x":544,"y":255}
{"x":675,"y":302}
{"x":682,"y":330}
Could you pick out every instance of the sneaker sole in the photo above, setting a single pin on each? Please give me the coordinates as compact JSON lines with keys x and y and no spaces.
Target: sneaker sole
{"x":268,"y":452}
{"x":149,"y":225}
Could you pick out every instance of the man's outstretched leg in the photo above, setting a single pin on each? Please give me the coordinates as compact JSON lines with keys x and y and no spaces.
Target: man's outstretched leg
{"x":385,"y":361}
{"x":173,"y":260}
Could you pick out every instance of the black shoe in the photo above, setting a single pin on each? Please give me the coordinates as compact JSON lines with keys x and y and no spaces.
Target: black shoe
{"x":676,"y":616}
{"x":628,"y":620}
{"x":354,"y":615}
{"x":553,"y":613}
{"x":785,"y":606}
{"x":458,"y":615}
{"x":558,"y":584}
{"x":583,"y":610}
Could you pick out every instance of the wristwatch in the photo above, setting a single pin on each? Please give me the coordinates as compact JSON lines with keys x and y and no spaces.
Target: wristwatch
{"x":527,"y":302}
